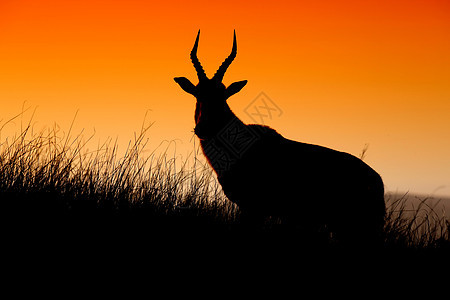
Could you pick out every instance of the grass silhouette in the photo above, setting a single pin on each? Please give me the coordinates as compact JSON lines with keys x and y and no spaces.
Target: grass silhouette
{"x":51,"y":184}
{"x":53,"y":187}
{"x":415,"y":227}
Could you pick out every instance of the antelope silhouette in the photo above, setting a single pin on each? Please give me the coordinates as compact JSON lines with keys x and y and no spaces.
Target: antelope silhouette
{"x":266,"y":174}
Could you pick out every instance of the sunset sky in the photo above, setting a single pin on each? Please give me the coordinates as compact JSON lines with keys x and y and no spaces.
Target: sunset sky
{"x":343,"y":74}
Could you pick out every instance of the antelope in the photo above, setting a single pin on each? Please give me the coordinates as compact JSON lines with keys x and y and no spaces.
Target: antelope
{"x":266,"y":174}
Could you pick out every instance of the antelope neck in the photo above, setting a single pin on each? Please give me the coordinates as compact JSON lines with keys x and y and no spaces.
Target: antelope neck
{"x":229,"y":120}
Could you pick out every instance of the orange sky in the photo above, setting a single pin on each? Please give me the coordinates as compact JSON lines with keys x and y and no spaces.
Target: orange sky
{"x":344,"y":73}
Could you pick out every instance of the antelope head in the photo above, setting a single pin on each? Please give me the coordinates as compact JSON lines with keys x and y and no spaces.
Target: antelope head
{"x":212,"y":110}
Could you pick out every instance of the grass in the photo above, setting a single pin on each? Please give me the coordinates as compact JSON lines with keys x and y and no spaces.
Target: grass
{"x":52,"y":186}
{"x":420,"y":226}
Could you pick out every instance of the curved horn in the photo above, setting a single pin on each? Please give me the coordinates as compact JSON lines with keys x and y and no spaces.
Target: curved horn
{"x":198,"y":67}
{"x":223,"y":68}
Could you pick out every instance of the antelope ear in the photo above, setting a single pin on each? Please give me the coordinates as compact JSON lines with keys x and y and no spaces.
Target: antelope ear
{"x":234,"y":88}
{"x":186,"y":85}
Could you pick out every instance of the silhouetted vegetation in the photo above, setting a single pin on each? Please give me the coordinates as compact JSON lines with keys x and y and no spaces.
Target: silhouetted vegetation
{"x":50,"y":181}
{"x":52,"y":186}
{"x":420,"y":226}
